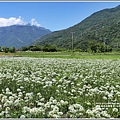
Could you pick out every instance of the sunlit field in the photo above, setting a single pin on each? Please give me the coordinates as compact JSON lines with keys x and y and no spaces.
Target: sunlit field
{"x":63,"y":54}
{"x":59,"y":88}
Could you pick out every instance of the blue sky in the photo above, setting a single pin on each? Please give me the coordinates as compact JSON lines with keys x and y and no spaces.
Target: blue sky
{"x":51,"y":15}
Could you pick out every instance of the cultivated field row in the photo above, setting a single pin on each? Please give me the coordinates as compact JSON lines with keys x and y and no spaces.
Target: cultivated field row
{"x":59,"y":88}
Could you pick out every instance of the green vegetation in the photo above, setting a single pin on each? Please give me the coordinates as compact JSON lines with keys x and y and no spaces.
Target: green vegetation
{"x":49,"y":80}
{"x":98,"y":36}
{"x":95,"y":51}
{"x":63,"y":54}
{"x":20,"y":35}
{"x":59,"y":88}
{"x":102,"y":27}
{"x":46,"y":48}
{"x":6,"y":49}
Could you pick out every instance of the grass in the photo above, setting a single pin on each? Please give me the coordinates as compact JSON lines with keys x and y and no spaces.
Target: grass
{"x":77,"y":55}
{"x":2,"y":54}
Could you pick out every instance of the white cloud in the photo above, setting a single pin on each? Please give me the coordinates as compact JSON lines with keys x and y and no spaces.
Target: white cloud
{"x":34,"y":22}
{"x":17,"y":21}
{"x":12,"y":21}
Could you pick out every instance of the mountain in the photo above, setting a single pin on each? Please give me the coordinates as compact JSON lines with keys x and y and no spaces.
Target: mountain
{"x":102,"y":26}
{"x":20,"y":35}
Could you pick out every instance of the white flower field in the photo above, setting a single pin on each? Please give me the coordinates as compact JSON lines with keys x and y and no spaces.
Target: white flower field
{"x":59,"y":88}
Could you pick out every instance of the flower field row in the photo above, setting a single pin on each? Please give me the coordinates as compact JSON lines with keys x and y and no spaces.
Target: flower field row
{"x":59,"y":88}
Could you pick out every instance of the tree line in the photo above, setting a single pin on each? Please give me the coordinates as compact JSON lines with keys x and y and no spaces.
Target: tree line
{"x":94,"y":46}
{"x":46,"y":48}
{"x":6,"y":49}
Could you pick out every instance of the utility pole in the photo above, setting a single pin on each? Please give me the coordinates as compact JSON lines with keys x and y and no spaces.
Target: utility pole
{"x":104,"y":44}
{"x":72,"y":40}
{"x":117,"y":46}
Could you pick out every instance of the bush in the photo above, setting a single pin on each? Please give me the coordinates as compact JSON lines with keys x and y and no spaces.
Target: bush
{"x":49,"y":48}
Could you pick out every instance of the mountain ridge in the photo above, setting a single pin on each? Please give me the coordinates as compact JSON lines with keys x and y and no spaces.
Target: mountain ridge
{"x":20,"y":35}
{"x":98,"y":26}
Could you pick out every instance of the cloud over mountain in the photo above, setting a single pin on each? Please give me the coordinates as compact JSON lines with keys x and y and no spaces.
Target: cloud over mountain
{"x":34,"y":22}
{"x":17,"y":21}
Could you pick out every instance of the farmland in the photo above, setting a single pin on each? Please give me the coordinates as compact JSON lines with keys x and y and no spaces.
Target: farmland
{"x":63,"y":54}
{"x":59,"y":88}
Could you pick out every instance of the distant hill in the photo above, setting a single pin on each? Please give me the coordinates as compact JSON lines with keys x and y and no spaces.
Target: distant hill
{"x":102,"y":26}
{"x":20,"y":35}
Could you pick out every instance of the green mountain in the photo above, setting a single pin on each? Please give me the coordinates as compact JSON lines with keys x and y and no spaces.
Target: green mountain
{"x":102,"y":26}
{"x":20,"y":35}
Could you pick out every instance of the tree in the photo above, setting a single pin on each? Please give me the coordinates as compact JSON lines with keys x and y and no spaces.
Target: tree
{"x":0,"y":49}
{"x":49,"y":48}
{"x":34,"y":48}
{"x":25,"y":48}
{"x":6,"y":50}
{"x":94,"y":46}
{"x":12,"y":49}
